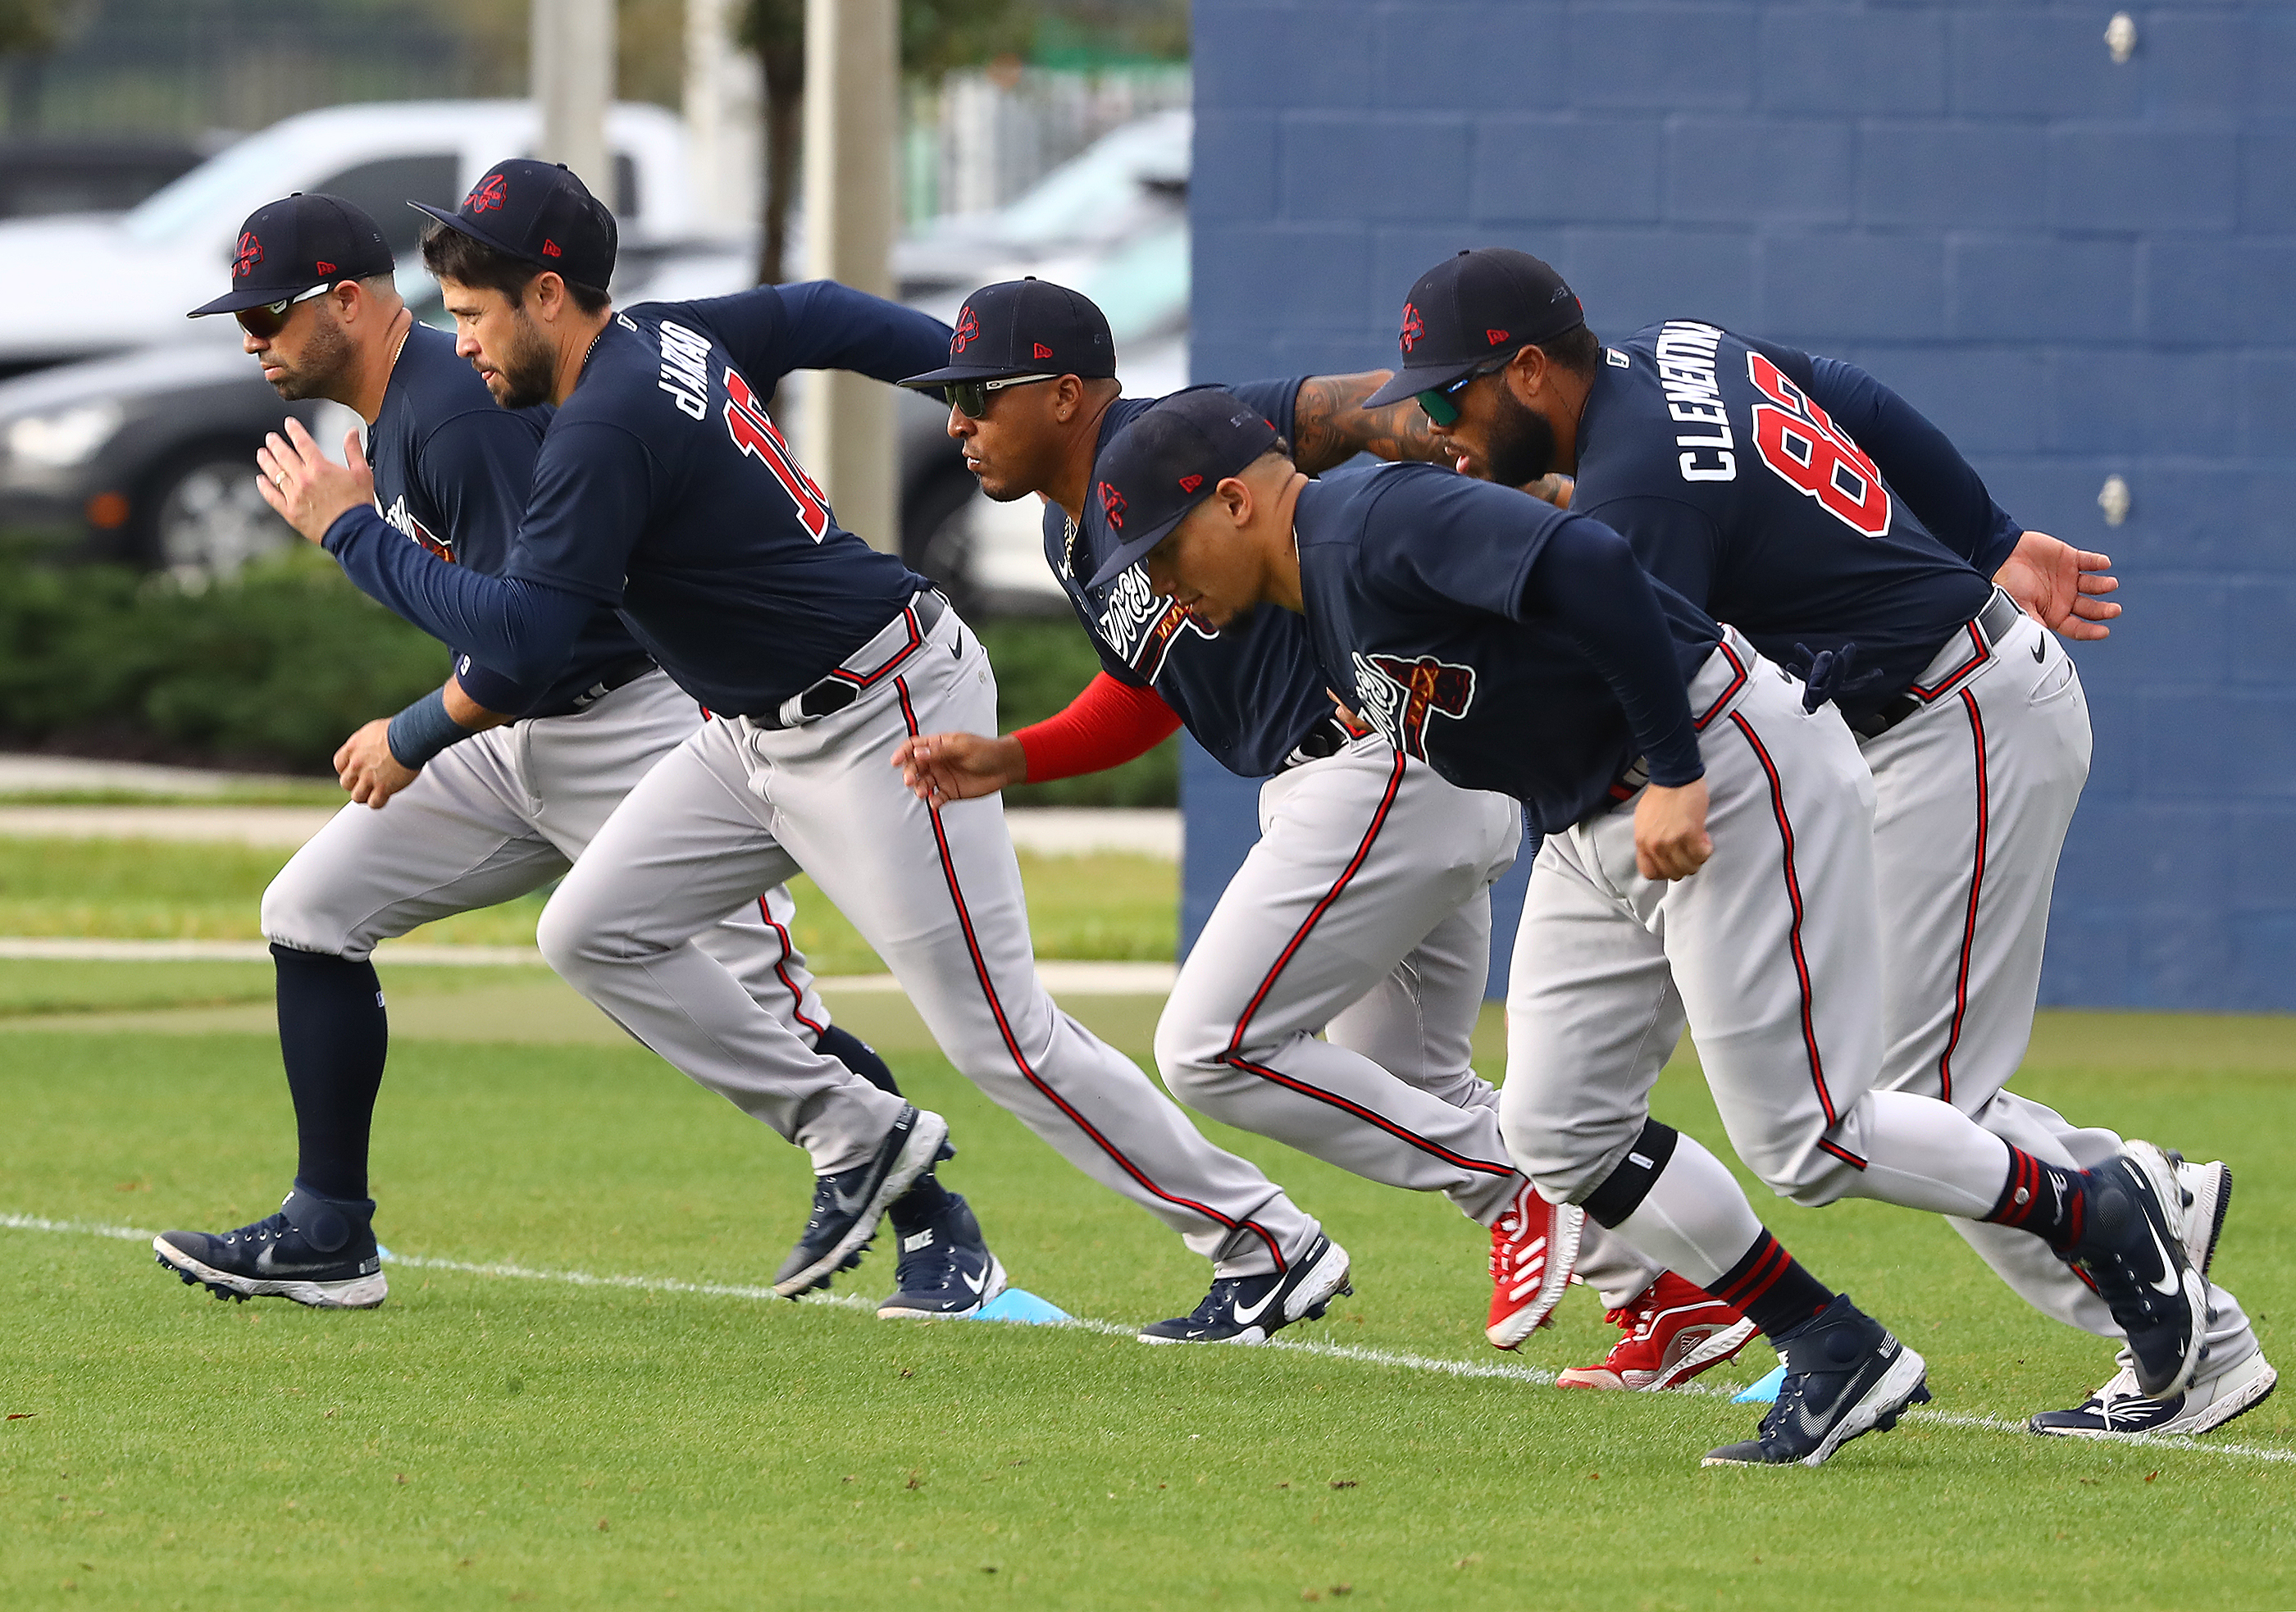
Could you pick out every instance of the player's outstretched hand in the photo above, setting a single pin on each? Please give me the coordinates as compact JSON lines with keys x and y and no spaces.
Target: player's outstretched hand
{"x":942,"y":767}
{"x":2061,"y":586}
{"x":309,"y":490}
{"x":366,"y":767}
{"x":1670,"y":837}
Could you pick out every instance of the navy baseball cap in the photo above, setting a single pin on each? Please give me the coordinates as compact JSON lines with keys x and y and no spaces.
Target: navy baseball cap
{"x":1025,"y":327}
{"x":1165,"y":464}
{"x":1468,"y":309}
{"x":539,"y":212}
{"x":288,"y":246}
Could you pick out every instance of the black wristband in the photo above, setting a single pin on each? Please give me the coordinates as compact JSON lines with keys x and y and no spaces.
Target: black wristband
{"x":422,"y":730}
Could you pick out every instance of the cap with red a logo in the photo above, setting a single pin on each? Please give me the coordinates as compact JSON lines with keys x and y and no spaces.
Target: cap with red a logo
{"x":1025,"y":327}
{"x":1472,"y":308}
{"x":290,"y":246}
{"x":540,"y":213}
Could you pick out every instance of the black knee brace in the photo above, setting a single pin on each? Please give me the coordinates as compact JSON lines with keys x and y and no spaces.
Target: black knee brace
{"x":1622,"y":1193}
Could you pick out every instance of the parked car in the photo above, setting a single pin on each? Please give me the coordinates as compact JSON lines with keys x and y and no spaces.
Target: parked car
{"x":132,"y":274}
{"x":87,"y":175}
{"x":144,"y":457}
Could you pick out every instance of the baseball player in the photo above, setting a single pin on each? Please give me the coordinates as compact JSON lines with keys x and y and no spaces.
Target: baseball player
{"x":494,"y":816}
{"x":1708,"y":855}
{"x":663,"y":489}
{"x":1808,"y":505}
{"x":1364,"y":905}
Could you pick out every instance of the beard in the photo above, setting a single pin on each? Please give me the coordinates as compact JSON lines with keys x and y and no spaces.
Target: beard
{"x":325,"y":364}
{"x":1522,"y":444}
{"x":529,"y":368}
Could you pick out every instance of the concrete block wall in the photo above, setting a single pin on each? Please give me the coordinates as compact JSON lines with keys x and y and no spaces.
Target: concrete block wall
{"x":2079,"y":268}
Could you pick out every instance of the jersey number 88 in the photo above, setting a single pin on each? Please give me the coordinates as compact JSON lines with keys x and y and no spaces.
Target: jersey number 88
{"x":1813,"y":456}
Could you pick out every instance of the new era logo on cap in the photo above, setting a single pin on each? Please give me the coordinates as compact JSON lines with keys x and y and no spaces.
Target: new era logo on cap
{"x":1469,"y":306}
{"x":293,"y":245}
{"x":1025,"y":327}
{"x":1165,"y":464}
{"x":539,"y":212}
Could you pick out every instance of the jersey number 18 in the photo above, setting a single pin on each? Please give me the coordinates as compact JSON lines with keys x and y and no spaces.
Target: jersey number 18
{"x":745,"y":418}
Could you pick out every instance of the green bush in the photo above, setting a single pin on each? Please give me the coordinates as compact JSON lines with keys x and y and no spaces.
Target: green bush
{"x":1040,"y":666}
{"x":271,"y":671}
{"x":274,"y":670}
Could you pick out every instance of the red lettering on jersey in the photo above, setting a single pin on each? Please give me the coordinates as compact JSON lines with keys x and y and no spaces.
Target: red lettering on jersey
{"x":747,"y":422}
{"x":1816,"y":457}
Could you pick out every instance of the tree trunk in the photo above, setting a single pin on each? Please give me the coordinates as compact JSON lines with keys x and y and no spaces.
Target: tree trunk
{"x":784,"y":76}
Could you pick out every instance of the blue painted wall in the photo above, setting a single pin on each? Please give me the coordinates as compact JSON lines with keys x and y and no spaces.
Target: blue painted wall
{"x":2079,"y":269}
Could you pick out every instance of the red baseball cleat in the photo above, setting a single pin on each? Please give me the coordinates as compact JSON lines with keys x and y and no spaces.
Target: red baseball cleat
{"x":1534,"y":1244}
{"x":1674,"y":1331}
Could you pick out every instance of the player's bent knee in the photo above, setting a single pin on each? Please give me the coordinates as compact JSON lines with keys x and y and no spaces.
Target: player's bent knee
{"x":295,"y":915}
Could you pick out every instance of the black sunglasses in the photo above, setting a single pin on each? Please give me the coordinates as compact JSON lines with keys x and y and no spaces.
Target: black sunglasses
{"x":970,"y":398}
{"x":267,"y":319}
{"x":1437,"y":404}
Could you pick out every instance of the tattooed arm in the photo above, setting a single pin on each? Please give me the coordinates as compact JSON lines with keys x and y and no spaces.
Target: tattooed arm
{"x":1331,"y":426}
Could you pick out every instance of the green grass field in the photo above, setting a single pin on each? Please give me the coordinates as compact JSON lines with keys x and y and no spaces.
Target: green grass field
{"x":487,"y":1439}
{"x":1112,"y":907}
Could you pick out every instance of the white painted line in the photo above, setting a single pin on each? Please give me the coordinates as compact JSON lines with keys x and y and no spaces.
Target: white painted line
{"x":1043,"y":831}
{"x":1079,"y":978}
{"x":1392,"y":1359}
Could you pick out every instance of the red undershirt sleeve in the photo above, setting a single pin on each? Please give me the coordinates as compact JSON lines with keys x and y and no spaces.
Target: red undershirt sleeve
{"x":1104,"y":726}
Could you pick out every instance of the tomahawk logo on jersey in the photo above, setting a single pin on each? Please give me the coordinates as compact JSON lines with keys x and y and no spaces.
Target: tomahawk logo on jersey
{"x":401,"y":517}
{"x":1398,"y":695}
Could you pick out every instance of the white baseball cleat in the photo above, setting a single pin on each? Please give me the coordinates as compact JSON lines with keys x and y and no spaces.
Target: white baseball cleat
{"x":2213,"y":1399}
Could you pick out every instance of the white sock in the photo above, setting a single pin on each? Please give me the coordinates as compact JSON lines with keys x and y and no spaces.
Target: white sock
{"x":1929,"y":1155}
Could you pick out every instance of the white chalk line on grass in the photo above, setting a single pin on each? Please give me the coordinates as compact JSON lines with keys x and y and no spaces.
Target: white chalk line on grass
{"x":1392,"y":1359}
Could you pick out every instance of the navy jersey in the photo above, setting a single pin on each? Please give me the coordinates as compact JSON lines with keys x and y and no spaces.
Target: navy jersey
{"x":1414,"y":581}
{"x":451,"y":471}
{"x":1250,"y":693}
{"x":1715,"y":457}
{"x":663,"y":489}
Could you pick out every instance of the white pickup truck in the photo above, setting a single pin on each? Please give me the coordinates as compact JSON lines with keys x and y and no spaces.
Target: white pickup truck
{"x":80,"y":286}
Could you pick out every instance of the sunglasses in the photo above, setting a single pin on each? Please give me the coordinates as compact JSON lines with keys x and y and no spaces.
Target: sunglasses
{"x":266,"y":320}
{"x":970,"y":398}
{"x":1436,"y":403}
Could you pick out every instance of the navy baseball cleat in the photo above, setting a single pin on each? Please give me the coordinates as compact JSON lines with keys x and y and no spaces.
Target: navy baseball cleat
{"x":2132,"y":1251}
{"x":317,"y":1251}
{"x":1252,"y":1309}
{"x":946,"y":1270}
{"x":847,"y":1205}
{"x":1845,"y":1376}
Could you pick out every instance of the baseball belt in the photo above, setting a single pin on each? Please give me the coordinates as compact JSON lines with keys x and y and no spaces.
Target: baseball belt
{"x":1987,"y":629}
{"x":1332,"y":733}
{"x":887,"y":649}
{"x":621,"y":675}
